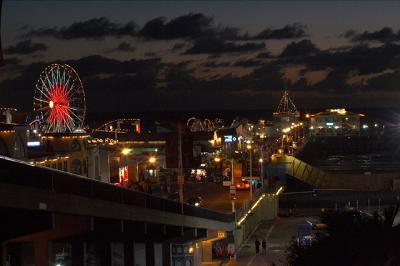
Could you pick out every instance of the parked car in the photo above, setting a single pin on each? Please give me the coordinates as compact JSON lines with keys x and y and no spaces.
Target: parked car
{"x":196,"y":201}
{"x":244,"y":185}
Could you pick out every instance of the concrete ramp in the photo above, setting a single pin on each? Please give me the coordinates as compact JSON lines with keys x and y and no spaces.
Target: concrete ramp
{"x":328,"y":180}
{"x":305,"y":172}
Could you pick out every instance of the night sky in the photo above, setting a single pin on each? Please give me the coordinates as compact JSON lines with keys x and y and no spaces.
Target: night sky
{"x":207,"y":55}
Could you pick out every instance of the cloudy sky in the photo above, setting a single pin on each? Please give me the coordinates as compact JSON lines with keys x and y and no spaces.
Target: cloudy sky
{"x":206,"y":55}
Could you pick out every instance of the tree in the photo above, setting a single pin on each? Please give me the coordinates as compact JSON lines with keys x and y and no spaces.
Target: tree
{"x":352,"y":238}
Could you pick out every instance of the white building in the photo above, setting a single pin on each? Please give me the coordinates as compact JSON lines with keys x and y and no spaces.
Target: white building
{"x":333,"y":122}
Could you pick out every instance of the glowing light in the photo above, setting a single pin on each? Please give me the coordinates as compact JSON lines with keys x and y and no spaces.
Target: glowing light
{"x":191,"y":250}
{"x":279,"y":191}
{"x":152,"y":159}
{"x":340,"y":111}
{"x":248,"y":147}
{"x":217,"y":159}
{"x":33,"y":143}
{"x":51,"y":104}
{"x":260,"y":160}
{"x":126,"y":151}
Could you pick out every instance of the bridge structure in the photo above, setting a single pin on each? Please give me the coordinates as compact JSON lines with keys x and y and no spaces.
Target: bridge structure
{"x":50,"y":217}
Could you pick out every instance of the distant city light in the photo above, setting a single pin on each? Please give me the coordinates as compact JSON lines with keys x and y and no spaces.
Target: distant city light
{"x":33,"y":143}
{"x":365,"y":126}
{"x":217,"y":159}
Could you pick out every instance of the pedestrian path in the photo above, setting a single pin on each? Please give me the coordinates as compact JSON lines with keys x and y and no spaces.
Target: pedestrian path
{"x":278,"y":234}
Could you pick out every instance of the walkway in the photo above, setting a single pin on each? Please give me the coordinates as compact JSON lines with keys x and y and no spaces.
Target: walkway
{"x":277,"y":234}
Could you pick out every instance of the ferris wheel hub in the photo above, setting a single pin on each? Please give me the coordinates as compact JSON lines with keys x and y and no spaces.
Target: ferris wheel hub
{"x":51,"y":104}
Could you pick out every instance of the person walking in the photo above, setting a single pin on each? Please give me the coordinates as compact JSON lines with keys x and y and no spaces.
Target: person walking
{"x":264,"y":246}
{"x":257,"y":243}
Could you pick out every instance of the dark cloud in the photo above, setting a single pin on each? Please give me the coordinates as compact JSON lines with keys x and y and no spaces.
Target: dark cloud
{"x":26,"y":47}
{"x":193,"y":25}
{"x":387,"y":82}
{"x":110,"y":85}
{"x":215,"y":64}
{"x":383,"y":35}
{"x":178,"y":46}
{"x":264,"y":55}
{"x":124,"y":47}
{"x":217,"y":46}
{"x":96,"y":28}
{"x":361,"y":59}
{"x":293,"y":31}
{"x":248,"y":63}
{"x":150,"y":54}
{"x":301,"y":48}
{"x":12,"y":61}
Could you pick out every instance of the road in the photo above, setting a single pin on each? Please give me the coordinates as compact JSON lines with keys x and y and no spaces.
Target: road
{"x":278,"y":235}
{"x":215,"y":196}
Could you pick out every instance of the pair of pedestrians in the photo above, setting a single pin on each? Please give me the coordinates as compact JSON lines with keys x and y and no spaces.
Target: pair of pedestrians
{"x":263,"y":245}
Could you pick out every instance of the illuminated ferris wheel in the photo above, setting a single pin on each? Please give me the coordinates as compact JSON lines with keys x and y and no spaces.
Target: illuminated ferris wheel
{"x":59,"y":99}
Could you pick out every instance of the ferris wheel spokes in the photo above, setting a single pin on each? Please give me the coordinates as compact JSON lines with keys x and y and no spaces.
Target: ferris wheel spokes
{"x":59,"y":99}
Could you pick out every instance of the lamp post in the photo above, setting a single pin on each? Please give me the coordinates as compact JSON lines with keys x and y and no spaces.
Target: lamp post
{"x":261,"y":172}
{"x":251,"y":170}
{"x":217,"y":159}
{"x":125,"y":152}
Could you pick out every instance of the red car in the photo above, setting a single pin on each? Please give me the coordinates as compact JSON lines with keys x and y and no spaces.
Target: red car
{"x":244,"y":185}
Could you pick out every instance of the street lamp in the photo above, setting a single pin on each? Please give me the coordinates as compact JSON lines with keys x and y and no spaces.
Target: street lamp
{"x":251,"y":171}
{"x":261,"y":171}
{"x":126,"y":151}
{"x":152,"y":159}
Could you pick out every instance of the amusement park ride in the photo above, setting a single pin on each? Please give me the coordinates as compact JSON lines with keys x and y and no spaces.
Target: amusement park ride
{"x":59,"y":100}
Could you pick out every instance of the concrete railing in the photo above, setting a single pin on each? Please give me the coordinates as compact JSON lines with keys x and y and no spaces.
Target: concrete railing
{"x":263,"y":207}
{"x":23,"y":174}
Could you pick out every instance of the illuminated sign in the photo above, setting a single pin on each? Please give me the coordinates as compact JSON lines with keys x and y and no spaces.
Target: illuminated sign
{"x":123,"y":174}
{"x":33,"y":143}
{"x":329,"y":123}
{"x":229,"y":138}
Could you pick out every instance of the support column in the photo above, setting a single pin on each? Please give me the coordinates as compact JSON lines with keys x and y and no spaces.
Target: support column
{"x":166,"y":254}
{"x":129,"y":253}
{"x":105,"y":253}
{"x":77,"y":253}
{"x":150,"y":261}
{"x":207,"y":251}
{"x":12,"y":254}
{"x":41,"y":251}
